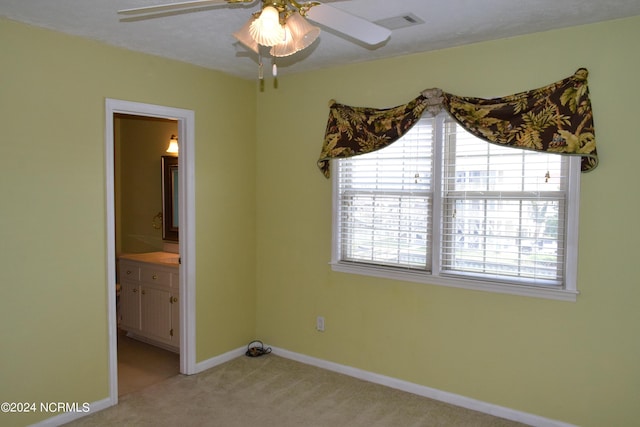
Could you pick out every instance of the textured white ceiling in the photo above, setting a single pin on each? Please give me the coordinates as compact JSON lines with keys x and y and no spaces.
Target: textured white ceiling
{"x":204,"y":37}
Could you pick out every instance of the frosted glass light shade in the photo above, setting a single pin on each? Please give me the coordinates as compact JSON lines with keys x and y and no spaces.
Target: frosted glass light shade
{"x":302,"y":31}
{"x":173,"y":145}
{"x":286,"y":47}
{"x":266,"y":30}
{"x":244,"y":37}
{"x":299,"y":34}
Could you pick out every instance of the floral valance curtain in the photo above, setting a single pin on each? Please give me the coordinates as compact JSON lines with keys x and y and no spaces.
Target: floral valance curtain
{"x":556,"y":118}
{"x":359,"y":130}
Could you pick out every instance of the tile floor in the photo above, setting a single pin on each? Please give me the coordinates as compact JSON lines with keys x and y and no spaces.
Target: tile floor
{"x":141,"y":365}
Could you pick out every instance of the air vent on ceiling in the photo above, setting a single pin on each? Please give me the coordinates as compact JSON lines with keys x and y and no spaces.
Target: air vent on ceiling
{"x":402,"y":21}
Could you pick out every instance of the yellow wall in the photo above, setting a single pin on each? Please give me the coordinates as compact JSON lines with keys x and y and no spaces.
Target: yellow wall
{"x":257,"y":186}
{"x":53,"y":210}
{"x":574,"y":362}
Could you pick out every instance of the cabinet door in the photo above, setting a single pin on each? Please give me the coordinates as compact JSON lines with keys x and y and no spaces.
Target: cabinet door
{"x":175,"y":319}
{"x":130,"y":306}
{"x":156,"y":313}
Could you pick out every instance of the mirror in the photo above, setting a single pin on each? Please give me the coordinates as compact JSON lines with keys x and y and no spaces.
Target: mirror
{"x":170,"y":198}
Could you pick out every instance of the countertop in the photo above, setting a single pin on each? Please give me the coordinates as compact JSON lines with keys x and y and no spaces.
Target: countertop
{"x":163,"y":258}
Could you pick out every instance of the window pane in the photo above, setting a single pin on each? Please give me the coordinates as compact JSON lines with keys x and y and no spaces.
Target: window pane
{"x":385,"y":229}
{"x":385,"y":202}
{"x":456,"y":207}
{"x":503,"y":210}
{"x":497,"y":237}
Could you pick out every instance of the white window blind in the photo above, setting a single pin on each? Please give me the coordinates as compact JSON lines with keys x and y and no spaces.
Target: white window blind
{"x":385,"y":202}
{"x":503,"y":211}
{"x":442,"y":206}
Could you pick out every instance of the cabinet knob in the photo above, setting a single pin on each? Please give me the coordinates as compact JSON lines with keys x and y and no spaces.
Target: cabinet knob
{"x":128,"y":272}
{"x":154,"y":277}
{"x":144,"y":292}
{"x":174,"y":299}
{"x":135,"y":290}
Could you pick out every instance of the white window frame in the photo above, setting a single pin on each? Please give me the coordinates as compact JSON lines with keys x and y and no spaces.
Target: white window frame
{"x":568,"y":293}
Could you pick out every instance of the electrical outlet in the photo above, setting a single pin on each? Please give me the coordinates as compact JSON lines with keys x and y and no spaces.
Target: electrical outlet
{"x":320,"y":323}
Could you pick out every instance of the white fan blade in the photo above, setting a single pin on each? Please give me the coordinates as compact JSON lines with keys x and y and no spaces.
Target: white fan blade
{"x":180,"y":5}
{"x":348,"y":24}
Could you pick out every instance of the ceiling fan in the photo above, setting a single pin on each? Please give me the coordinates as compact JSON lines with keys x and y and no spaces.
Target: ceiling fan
{"x":282,"y":26}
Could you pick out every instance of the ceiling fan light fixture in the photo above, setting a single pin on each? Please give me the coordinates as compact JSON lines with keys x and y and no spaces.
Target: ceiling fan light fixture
{"x":300,"y":34}
{"x":266,"y":30}
{"x":286,"y":47}
{"x":302,"y":31}
{"x":244,"y":36}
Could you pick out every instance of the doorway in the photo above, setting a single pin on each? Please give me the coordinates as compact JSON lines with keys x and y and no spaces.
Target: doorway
{"x":141,"y":223}
{"x":186,"y":125}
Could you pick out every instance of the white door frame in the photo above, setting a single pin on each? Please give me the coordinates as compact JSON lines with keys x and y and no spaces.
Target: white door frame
{"x":187,"y":244}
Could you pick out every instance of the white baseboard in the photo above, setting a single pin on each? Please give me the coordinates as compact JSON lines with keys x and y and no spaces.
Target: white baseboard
{"x":218,"y":360}
{"x":420,"y":390}
{"x":443,"y":396}
{"x":153,"y":342}
{"x":67,"y":417}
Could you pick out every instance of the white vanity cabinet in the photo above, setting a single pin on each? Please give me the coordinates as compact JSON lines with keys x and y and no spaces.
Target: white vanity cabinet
{"x":149,"y":309}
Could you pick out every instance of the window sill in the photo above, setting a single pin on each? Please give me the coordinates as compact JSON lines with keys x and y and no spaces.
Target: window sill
{"x":502,"y":288}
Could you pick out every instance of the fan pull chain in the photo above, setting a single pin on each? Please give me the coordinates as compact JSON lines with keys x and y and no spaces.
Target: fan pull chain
{"x":274,"y":71}
{"x":260,"y":73}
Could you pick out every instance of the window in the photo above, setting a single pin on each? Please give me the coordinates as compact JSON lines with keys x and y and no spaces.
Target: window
{"x":441,"y":206}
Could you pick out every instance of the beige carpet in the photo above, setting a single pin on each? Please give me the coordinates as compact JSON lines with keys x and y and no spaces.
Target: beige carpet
{"x":272,"y":391}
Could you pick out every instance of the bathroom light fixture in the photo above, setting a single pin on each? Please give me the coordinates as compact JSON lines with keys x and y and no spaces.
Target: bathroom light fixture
{"x":173,"y":145}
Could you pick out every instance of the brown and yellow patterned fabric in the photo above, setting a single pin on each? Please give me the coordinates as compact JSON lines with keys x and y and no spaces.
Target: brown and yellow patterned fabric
{"x":556,"y":118}
{"x":359,"y":130}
